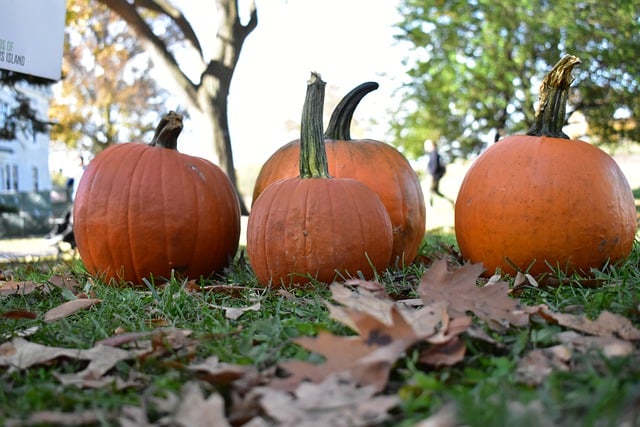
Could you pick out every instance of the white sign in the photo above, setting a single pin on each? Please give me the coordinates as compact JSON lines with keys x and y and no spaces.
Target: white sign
{"x":32,"y":36}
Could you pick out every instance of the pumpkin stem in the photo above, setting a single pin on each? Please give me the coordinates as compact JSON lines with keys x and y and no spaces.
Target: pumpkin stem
{"x":554,"y":92}
{"x":167,"y":131}
{"x":313,"y":155}
{"x":339,"y":127}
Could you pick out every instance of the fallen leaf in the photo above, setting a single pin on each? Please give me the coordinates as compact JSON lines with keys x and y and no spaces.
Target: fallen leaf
{"x":66,"y":281}
{"x":214,"y":371}
{"x":19,"y":288}
{"x":538,"y":364}
{"x":385,"y":330}
{"x":19,"y":314}
{"x":335,"y":402}
{"x":20,"y":354}
{"x":459,"y":290}
{"x":233,"y":313}
{"x":70,"y":307}
{"x":607,"y":324}
{"x":58,"y":418}
{"x":194,"y":410}
{"x":444,"y":417}
{"x":446,"y":354}
{"x":608,"y":345}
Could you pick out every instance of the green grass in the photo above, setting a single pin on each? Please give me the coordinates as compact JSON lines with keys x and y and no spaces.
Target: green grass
{"x":484,"y":388}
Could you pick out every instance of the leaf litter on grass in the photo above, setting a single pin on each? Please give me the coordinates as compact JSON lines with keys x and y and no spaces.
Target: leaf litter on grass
{"x":348,"y":386}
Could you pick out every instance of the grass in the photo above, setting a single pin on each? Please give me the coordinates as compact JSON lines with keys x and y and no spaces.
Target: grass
{"x":597,"y":391}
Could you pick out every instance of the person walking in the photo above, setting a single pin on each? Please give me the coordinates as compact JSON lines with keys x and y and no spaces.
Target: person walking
{"x":437,"y":169}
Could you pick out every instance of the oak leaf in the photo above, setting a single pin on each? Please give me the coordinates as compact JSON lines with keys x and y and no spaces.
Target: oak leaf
{"x":459,"y":289}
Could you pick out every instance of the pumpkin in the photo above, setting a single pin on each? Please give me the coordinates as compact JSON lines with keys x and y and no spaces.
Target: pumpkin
{"x":540,"y":202}
{"x":313,"y":225}
{"x":377,"y":164}
{"x":147,"y":209}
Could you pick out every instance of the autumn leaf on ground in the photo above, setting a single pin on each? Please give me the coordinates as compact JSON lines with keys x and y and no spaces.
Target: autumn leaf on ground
{"x":385,"y":331}
{"x":70,"y":307}
{"x":336,"y":401}
{"x":19,"y":288}
{"x":610,"y":334}
{"x":215,"y":371}
{"x":607,"y":324}
{"x":66,"y":281}
{"x":20,"y":354}
{"x":459,"y":290}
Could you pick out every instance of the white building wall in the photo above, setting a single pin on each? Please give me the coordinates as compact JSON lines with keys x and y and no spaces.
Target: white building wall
{"x":24,"y":165}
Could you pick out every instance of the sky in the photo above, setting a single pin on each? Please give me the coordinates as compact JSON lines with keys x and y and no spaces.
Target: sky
{"x":347,"y":42}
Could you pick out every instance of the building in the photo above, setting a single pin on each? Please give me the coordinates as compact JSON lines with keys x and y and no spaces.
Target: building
{"x":25,"y":182}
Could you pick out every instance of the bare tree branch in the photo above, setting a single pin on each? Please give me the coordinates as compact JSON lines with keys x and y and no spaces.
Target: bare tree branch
{"x":130,"y":14}
{"x":163,"y":7}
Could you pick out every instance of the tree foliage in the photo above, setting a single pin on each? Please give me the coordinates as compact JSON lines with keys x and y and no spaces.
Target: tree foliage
{"x":107,"y":94}
{"x":476,"y":67}
{"x":20,"y":116}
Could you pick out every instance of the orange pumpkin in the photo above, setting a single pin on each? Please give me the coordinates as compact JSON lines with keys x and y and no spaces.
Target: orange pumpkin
{"x":313,"y":225}
{"x":541,"y":202}
{"x":377,"y":164}
{"x":145,"y":210}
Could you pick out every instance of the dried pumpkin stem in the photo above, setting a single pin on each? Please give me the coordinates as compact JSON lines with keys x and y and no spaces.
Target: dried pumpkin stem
{"x":554,"y":93}
{"x":167,"y":131}
{"x":313,"y":155}
{"x":339,"y":127}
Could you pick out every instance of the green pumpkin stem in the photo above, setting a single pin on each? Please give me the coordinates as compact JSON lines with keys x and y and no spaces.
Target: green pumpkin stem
{"x":339,"y":127}
{"x":554,"y":93}
{"x":167,"y":131}
{"x":313,"y":155}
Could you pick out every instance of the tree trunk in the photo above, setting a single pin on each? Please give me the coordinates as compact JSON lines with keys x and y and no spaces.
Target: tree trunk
{"x":209,"y":95}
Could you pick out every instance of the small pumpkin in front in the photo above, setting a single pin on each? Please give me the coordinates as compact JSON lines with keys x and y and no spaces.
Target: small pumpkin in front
{"x":148,"y":210}
{"x":314,"y":226}
{"x":541,"y":202}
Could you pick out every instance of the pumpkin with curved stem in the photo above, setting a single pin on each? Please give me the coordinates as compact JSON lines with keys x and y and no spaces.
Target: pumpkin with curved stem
{"x":313,"y":225}
{"x":145,"y":210}
{"x":377,"y":164}
{"x":541,"y":202}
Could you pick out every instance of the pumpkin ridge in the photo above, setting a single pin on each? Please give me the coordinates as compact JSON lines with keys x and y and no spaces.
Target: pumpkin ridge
{"x":140,"y":174}
{"x":114,"y":189}
{"x":195,"y":246}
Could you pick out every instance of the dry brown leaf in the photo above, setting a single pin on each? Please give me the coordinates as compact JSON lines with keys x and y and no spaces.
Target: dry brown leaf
{"x":70,"y":307}
{"x":385,"y":329}
{"x":19,"y":314}
{"x":607,"y":324}
{"x":334,"y":402}
{"x":20,"y":354}
{"x":19,"y":288}
{"x":446,"y":354}
{"x":194,"y":410}
{"x":233,"y":313}
{"x":458,"y":288}
{"x":609,"y":346}
{"x":56,"y":418}
{"x":444,"y":417}
{"x":66,"y":281}
{"x":214,"y":371}
{"x":537,"y":364}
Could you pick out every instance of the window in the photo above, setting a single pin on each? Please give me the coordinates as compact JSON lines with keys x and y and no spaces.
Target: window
{"x":15,"y":177}
{"x":34,"y":173}
{"x":7,"y":177}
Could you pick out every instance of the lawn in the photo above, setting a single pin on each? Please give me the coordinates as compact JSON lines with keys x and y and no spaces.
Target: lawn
{"x":420,"y":346}
{"x":216,"y":351}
